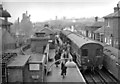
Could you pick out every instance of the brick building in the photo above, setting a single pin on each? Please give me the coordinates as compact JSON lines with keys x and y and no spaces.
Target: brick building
{"x":92,"y":27}
{"x":112,"y":28}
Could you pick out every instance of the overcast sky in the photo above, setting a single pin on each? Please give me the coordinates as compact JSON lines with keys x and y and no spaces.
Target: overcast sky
{"x":41,"y":10}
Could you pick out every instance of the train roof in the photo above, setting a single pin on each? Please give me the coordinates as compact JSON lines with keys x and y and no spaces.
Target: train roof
{"x":112,"y":50}
{"x":80,"y":40}
{"x":37,"y":58}
{"x":19,"y":61}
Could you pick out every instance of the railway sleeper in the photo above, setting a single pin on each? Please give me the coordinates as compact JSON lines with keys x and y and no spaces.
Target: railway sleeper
{"x":88,"y":79}
{"x":105,"y":77}
{"x":95,"y":78}
{"x":111,"y":76}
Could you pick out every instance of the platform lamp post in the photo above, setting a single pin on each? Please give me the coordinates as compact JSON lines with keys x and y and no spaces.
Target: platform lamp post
{"x":57,"y":61}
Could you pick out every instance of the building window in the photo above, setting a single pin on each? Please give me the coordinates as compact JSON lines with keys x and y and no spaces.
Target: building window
{"x":34,"y":66}
{"x":105,"y":40}
{"x":98,"y":52}
{"x":108,"y":24}
{"x":110,"y":41}
{"x":116,"y":43}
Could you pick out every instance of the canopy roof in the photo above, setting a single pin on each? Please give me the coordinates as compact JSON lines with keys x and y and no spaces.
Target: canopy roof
{"x":19,"y":61}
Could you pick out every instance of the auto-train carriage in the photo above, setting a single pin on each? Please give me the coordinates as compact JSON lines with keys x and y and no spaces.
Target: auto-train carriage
{"x":89,"y":53}
{"x":112,"y":61}
{"x":63,"y":35}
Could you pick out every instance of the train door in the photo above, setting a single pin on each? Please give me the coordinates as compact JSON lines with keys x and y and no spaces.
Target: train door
{"x":84,"y":57}
{"x":99,"y":57}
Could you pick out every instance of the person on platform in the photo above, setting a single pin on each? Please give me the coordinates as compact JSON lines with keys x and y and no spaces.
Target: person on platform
{"x":74,"y":57}
{"x":63,"y":69}
{"x":57,"y":57}
{"x":65,"y":55}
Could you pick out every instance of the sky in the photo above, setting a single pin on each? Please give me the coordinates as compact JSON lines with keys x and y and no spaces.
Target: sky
{"x":41,"y":10}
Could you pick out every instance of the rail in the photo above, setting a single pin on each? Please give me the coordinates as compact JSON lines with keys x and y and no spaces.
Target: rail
{"x":99,"y":77}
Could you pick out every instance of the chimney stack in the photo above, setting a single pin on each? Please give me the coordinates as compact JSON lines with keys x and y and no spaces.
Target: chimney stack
{"x":56,"y":17}
{"x":26,"y":13}
{"x":96,"y":19}
{"x":116,"y":8}
{"x":18,"y":20}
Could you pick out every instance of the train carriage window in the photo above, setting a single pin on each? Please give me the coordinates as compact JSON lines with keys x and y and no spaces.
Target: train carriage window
{"x":84,"y":52}
{"x":34,"y":67}
{"x":98,"y":52}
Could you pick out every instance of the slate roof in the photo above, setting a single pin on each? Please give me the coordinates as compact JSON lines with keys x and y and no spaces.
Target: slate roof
{"x":113,"y":15}
{"x":104,"y":30}
{"x":100,"y":30}
{"x":19,"y":61}
{"x":96,"y":24}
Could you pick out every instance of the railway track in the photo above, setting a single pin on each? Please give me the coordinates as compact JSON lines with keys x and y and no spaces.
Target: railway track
{"x":99,"y":77}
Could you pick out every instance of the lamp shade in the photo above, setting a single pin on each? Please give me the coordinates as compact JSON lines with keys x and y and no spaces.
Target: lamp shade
{"x":70,"y":64}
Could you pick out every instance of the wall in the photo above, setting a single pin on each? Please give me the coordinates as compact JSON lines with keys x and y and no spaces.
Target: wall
{"x":108,"y":29}
{"x":28,"y":74}
{"x":113,"y":29}
{"x":119,"y":32}
{"x":115,"y":32}
{"x":37,"y":46}
{"x":15,"y":75}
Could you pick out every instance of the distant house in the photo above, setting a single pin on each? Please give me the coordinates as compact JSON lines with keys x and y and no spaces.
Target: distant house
{"x":112,"y":28}
{"x":99,"y":34}
{"x":92,"y":27}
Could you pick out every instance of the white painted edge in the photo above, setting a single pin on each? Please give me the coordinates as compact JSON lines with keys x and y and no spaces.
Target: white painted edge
{"x":81,"y":75}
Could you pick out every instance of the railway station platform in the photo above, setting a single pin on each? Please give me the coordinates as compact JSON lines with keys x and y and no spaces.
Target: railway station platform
{"x":72,"y":75}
